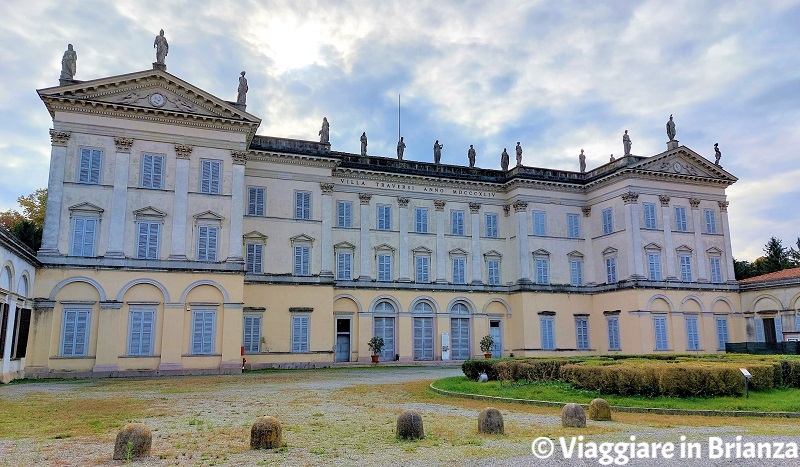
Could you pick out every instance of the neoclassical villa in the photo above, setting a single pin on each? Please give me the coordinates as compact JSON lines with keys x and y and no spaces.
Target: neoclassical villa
{"x":178,"y":240}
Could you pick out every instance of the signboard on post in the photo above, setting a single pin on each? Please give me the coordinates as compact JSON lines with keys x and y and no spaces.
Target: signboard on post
{"x":747,"y":377}
{"x":445,"y":346}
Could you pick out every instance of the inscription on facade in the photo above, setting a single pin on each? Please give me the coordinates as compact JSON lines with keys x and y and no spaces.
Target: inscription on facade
{"x":424,"y":189}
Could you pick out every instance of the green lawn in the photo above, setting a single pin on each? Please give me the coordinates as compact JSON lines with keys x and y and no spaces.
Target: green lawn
{"x":774,"y":400}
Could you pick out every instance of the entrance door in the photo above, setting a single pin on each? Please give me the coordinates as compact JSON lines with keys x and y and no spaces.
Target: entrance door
{"x":384,"y":327}
{"x":342,"y":340}
{"x":769,"y":331}
{"x":497,"y":338}
{"x":459,"y":338}
{"x":423,"y":338}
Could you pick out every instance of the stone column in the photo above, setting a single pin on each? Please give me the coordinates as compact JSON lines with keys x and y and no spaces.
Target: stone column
{"x":589,"y":259}
{"x":172,"y":345}
{"x":669,"y":244}
{"x":403,"y":253}
{"x":327,"y":230}
{"x":119,"y":198}
{"x":723,"y":210}
{"x":635,"y":261}
{"x":237,"y":207}
{"x":180,"y":202}
{"x":699,"y":244}
{"x":107,"y":337}
{"x":366,"y":247}
{"x":474,"y":210}
{"x":523,"y":248}
{"x":55,"y":192}
{"x":441,"y":267}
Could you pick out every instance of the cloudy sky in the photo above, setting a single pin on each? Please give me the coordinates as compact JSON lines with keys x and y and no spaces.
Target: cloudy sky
{"x":557,"y":76}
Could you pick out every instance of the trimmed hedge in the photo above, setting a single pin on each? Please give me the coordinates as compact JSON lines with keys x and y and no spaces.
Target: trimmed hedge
{"x":529,"y":370}
{"x":473,"y":368}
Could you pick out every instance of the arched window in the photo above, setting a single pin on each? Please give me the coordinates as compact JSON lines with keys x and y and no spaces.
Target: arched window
{"x":423,"y":307}
{"x":459,"y":309}
{"x":384,"y":307}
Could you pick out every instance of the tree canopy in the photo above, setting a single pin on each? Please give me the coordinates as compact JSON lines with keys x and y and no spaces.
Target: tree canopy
{"x":776,"y":258}
{"x":27,"y":225}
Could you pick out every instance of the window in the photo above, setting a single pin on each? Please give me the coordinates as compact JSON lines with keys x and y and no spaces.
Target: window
{"x":660,"y":326}
{"x":75,"y":333}
{"x":457,"y":222}
{"x":582,"y":332}
{"x":421,"y":220}
{"x":302,"y":205}
{"x":716,"y":269}
{"x":385,"y":268}
{"x":255,"y":201}
{"x":692,"y":336}
{"x":344,"y":266}
{"x":686,"y":268}
{"x":547,"y":333}
{"x":493,"y":271}
{"x":711,"y":221}
{"x":210,"y":177}
{"x":611,"y":270}
{"x":722,"y":333}
{"x":539,"y":224}
{"x":344,"y":214}
{"x":384,"y":217}
{"x":654,"y":266}
{"x":91,"y":161}
{"x":573,"y":226}
{"x":576,"y":272}
{"x":491,"y":225}
{"x":19,"y":334}
{"x":203,"y":322}
{"x":542,"y":271}
{"x":613,"y":333}
{"x":680,"y":219}
{"x":302,"y":261}
{"x":459,"y":270}
{"x":83,"y":234}
{"x":251,"y":333}
{"x":608,"y":221}
{"x":650,"y":220}
{"x":254,"y":259}
{"x":300,"y":333}
{"x":148,"y":240}
{"x":423,"y":307}
{"x":207,"y":243}
{"x":152,"y":171}
{"x":423,"y":266}
{"x":140,"y":333}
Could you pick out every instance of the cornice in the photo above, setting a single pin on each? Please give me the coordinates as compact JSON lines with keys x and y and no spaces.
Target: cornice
{"x":292,"y":159}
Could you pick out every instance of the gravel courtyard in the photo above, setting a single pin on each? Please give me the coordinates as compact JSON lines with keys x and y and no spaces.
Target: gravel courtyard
{"x":342,"y":416}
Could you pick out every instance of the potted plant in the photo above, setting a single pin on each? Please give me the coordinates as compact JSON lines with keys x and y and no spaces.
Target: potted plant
{"x":486,"y":346}
{"x":375,"y":346}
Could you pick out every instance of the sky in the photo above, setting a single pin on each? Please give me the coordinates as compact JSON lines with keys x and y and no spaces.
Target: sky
{"x":556,"y":76}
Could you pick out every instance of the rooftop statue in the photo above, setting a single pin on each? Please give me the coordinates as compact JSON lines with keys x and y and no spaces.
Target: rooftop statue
{"x":471,"y":156}
{"x":364,"y":143}
{"x":324,"y":133}
{"x":582,"y":160}
{"x":437,"y":152}
{"x":401,"y":148}
{"x":612,"y":158}
{"x":241,"y":97}
{"x":504,"y":160}
{"x":717,"y":154}
{"x":162,"y":48}
{"x":671,"y":129}
{"x":519,"y":155}
{"x":626,"y":142}
{"x":69,"y":63}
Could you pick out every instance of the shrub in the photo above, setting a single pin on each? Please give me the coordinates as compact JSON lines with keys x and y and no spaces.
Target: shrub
{"x":529,"y":370}
{"x":473,"y":368}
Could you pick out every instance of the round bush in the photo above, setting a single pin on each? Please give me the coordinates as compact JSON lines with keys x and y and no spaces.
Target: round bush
{"x":265,"y":433}
{"x":573,"y":416}
{"x":409,"y":425}
{"x":599,"y":410}
{"x":133,"y":441}
{"x":490,"y":421}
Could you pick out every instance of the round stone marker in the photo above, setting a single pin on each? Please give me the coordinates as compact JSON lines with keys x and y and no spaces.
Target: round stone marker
{"x":573,"y":416}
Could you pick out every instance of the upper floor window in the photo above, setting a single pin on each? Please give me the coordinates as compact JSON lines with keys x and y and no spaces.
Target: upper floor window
{"x":493,"y":271}
{"x":715,"y":264}
{"x":650,"y":220}
{"x":611,"y":270}
{"x":576,"y":271}
{"x":423,"y":266}
{"x":254,"y":261}
{"x":573,"y":226}
{"x":680,"y":219}
{"x":152,"y":171}
{"x":344,"y":214}
{"x":207,"y":236}
{"x":491,"y":225}
{"x":654,"y":266}
{"x":539,"y":224}
{"x":210,"y":174}
{"x":148,"y":240}
{"x":90,"y":165}
{"x":457,"y":222}
{"x":421,"y":220}
{"x":302,"y":205}
{"x":686,"y":268}
{"x":608,"y":221}
{"x":711,"y":221}
{"x":344,"y":266}
{"x":302,"y":260}
{"x":384,"y":217}
{"x":543,"y":270}
{"x":84,"y":230}
{"x":460,"y":270}
{"x":255,"y":201}
{"x":384,"y":268}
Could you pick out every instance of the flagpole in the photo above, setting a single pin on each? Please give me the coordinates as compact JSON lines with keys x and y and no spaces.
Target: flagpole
{"x":398,"y":117}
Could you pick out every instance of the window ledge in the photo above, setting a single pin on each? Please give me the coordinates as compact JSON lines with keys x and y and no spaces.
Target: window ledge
{"x":201,"y":355}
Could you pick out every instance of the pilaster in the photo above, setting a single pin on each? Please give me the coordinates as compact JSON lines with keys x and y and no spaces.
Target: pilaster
{"x":669,"y":243}
{"x":723,"y":210}
{"x":635,"y":260}
{"x":119,"y":199}
{"x":366,"y":245}
{"x":523,"y":248}
{"x":403,"y":257}
{"x":237,"y":207}
{"x":441,"y":268}
{"x":108,"y":338}
{"x":588,"y":247}
{"x":699,"y":244}
{"x":327,"y":230}
{"x":474,"y":210}
{"x":172,"y":346}
{"x":55,"y":192}
{"x":180,"y":202}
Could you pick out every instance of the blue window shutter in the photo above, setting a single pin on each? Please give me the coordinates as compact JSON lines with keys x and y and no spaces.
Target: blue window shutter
{"x":778,"y":328}
{"x":216,"y":169}
{"x":212,"y":244}
{"x":251,"y":201}
{"x":89,"y":227}
{"x":202,"y":243}
{"x":144,"y":231}
{"x":153,"y":240}
{"x":85,"y":165}
{"x":97,"y":160}
{"x":81,"y":331}
{"x":205,"y":177}
{"x":77,"y":237}
{"x":722,"y":333}
{"x":147,"y":171}
{"x":759,"y":330}
{"x":158,"y":172}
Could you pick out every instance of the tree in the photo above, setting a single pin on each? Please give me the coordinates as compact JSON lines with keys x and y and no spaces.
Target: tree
{"x":28,"y":225}
{"x":777,"y":256}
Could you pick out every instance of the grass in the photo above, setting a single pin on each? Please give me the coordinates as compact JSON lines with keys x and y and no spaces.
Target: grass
{"x":774,"y":400}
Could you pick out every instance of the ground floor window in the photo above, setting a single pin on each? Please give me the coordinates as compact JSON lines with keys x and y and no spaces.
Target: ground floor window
{"x":203,"y":322}
{"x":722,"y":333}
{"x":300,"y":333}
{"x":251,"y":333}
{"x":582,"y":332}
{"x":423,"y":338}
{"x":613,"y":333}
{"x":692,"y":334}
{"x":660,"y":326}
{"x":547,"y":333}
{"x":75,"y":333}
{"x":459,"y":338}
{"x":384,"y":327}
{"x":140,"y":331}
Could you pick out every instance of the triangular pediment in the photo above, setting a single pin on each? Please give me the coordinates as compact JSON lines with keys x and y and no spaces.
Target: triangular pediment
{"x":302,"y":238}
{"x":149,"y":212}
{"x":384,"y":247}
{"x":683,"y":162}
{"x":575,"y":254}
{"x":421,"y":250}
{"x":458,"y":252}
{"x":652,"y":246}
{"x":683,"y":249}
{"x":86,"y":208}
{"x":255,"y":235}
{"x":541,"y":252}
{"x":492,"y":254}
{"x":344,"y":246}
{"x":209,"y":216}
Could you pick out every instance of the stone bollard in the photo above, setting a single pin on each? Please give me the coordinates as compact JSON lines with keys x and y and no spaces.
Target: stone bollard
{"x":599,"y":410}
{"x":409,"y":425}
{"x":133,"y":441}
{"x":490,"y":421}
{"x":265,"y":433}
{"x":573,"y":416}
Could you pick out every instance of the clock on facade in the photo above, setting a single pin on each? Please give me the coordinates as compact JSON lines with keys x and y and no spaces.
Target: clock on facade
{"x":157,"y":100}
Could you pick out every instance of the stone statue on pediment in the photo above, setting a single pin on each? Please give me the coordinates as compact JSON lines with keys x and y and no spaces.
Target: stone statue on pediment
{"x":471,"y":156}
{"x":612,"y":159}
{"x":519,"y":155}
{"x":325,"y":131}
{"x":162,"y":48}
{"x":582,"y":161}
{"x":69,"y":64}
{"x":241,"y":97}
{"x":717,"y":154}
{"x":401,"y":148}
{"x":364,"y":143}
{"x":671,"y":129}
{"x":626,"y":143}
{"x":504,"y":160}
{"x":437,"y":152}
